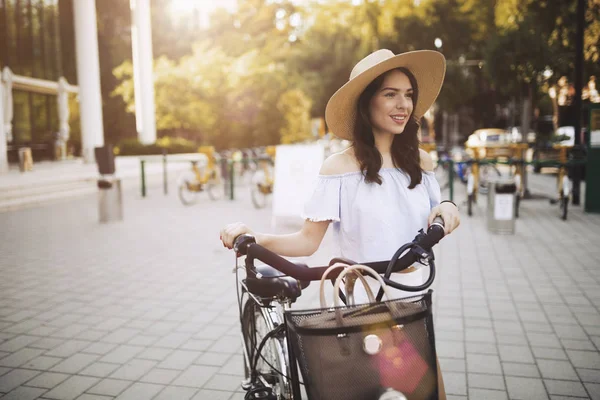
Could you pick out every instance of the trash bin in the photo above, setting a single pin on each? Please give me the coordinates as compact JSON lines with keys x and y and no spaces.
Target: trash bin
{"x":25,"y":159}
{"x":501,"y":205}
{"x":110,"y":199}
{"x":105,"y":158}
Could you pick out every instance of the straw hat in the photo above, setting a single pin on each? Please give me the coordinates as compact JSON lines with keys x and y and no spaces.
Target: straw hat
{"x":428,"y":67}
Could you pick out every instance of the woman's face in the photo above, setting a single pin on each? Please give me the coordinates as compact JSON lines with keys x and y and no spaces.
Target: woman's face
{"x":392,"y":104}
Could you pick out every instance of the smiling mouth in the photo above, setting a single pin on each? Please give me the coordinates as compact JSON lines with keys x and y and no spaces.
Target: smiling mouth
{"x":398,"y":118}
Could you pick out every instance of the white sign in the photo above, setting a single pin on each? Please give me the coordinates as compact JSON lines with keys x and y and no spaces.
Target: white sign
{"x":503,"y":207}
{"x":595,"y":138}
{"x":296,"y":170}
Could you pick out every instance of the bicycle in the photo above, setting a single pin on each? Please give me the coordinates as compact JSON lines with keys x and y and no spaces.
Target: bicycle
{"x":563,"y":183}
{"x":270,"y":289}
{"x":196,"y":179}
{"x":263,"y":179}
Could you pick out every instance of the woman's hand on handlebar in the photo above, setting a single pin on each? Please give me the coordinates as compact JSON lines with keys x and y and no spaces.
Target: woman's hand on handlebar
{"x":449,"y":213}
{"x":232,"y":231}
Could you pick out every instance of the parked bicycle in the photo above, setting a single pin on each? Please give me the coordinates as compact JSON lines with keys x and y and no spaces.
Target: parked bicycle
{"x":463,"y":167}
{"x":200,"y":178}
{"x":263,"y":179}
{"x":265,"y":297}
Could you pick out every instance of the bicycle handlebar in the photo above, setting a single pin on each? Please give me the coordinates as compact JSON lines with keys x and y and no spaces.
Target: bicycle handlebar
{"x":418,"y":248}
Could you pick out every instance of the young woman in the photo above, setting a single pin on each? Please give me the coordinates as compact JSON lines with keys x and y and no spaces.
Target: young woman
{"x":381,"y":190}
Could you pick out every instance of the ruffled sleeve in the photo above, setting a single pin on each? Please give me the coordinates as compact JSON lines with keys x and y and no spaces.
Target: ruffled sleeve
{"x":433,"y":189}
{"x":324,"y":204}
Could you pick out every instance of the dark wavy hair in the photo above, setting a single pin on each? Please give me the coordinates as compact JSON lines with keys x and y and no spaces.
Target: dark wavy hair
{"x":405,"y":146}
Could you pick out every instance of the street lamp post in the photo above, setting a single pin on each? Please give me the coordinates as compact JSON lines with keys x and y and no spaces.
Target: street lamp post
{"x":439,"y":45}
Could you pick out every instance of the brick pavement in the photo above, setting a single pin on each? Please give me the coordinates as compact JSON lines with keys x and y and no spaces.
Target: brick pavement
{"x":145,"y":309}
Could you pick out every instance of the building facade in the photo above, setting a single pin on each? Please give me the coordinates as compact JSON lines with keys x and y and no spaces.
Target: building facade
{"x":36,"y":51}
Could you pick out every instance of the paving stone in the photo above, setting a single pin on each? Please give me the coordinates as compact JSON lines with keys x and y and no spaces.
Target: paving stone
{"x":455,"y":383}
{"x":154,"y":354}
{"x":486,"y":381}
{"x":87,"y":396}
{"x":140,"y":391}
{"x":523,"y":370}
{"x":133,"y":370}
{"x":71,"y":388}
{"x":450,"y":349}
{"x":160,"y":376}
{"x":99,"y":369}
{"x":549,"y":353}
{"x":75,"y":363}
{"x":526,"y":388}
{"x":23,"y":393}
{"x":122,"y":354}
{"x":584,"y":359}
{"x":176,"y":392}
{"x":20,"y":357}
{"x":195,"y":376}
{"x":215,"y":359}
{"x":216,"y":395}
{"x":223,"y":382}
{"x":43,"y":363}
{"x":48,"y":380}
{"x":15,"y":378}
{"x":486,"y":394}
{"x":510,"y":353}
{"x":109,"y":387}
{"x":565,"y":388}
{"x":578,"y":344}
{"x":179,"y":359}
{"x":17,"y":343}
{"x":480,"y":363}
{"x":593,"y":390}
{"x":482,"y":348}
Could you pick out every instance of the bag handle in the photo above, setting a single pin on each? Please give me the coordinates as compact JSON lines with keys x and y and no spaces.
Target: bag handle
{"x":355,"y":269}
{"x":335,"y":296}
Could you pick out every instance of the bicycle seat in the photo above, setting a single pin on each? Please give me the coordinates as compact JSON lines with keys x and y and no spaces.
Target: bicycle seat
{"x":269,"y":282}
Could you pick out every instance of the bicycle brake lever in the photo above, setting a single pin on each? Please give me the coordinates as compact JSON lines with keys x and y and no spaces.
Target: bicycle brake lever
{"x":422,"y":254}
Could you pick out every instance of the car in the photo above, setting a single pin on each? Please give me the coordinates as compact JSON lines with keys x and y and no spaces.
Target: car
{"x":489,"y":137}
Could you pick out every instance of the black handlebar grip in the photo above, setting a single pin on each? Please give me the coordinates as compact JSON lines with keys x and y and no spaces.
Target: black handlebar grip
{"x":242,"y":242}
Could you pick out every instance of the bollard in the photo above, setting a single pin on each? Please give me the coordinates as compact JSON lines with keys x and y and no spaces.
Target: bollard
{"x":165,"y":188}
{"x":231,"y":183}
{"x":143,"y":175}
{"x":451,"y":178}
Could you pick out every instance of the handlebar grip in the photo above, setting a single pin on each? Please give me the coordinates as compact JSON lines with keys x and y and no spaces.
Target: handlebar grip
{"x":242,"y":242}
{"x":435,"y":233}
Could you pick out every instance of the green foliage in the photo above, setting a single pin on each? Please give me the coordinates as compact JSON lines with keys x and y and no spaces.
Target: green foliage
{"x":295,"y":107}
{"x":257,"y":75}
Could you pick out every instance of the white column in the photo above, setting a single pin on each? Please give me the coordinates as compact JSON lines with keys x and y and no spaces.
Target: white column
{"x":88,"y":76}
{"x":3,"y":155}
{"x":62,"y":101}
{"x":143,"y":79}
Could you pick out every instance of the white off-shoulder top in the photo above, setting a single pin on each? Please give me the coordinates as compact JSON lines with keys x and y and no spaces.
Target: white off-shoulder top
{"x":372,"y":221}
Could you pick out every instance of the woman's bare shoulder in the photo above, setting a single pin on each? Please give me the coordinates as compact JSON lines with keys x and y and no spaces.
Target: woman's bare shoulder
{"x":340,"y":163}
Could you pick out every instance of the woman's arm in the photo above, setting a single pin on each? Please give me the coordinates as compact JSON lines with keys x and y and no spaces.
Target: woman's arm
{"x":298,"y":244}
{"x":448,"y":211}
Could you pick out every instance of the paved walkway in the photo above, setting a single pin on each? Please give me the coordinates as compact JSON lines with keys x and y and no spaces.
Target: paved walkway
{"x":145,"y":308}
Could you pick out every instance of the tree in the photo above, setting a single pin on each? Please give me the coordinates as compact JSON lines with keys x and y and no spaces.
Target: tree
{"x":294,"y":106}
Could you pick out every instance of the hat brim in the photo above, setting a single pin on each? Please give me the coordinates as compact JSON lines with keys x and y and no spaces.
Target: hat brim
{"x":428,"y":67}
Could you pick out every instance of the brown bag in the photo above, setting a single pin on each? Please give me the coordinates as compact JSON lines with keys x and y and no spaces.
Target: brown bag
{"x":356,"y":352}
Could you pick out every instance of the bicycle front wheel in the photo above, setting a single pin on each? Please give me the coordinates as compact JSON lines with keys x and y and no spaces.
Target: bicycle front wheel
{"x":185,"y":187}
{"x":271,"y":367}
{"x":215,"y":187}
